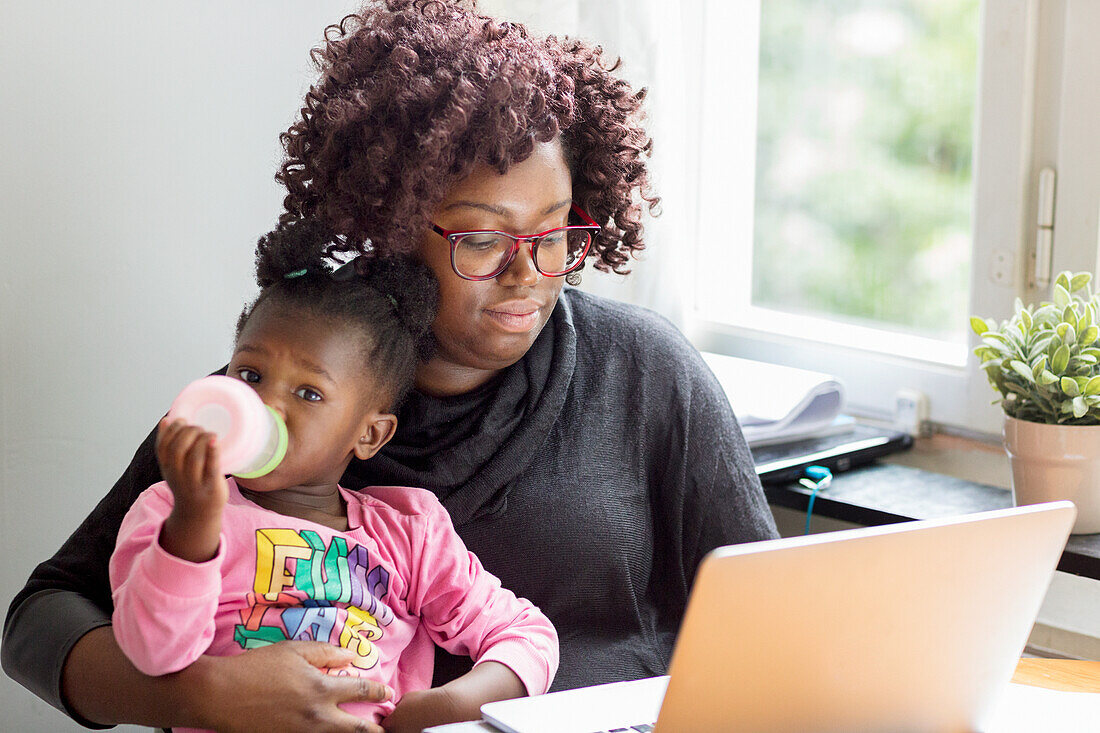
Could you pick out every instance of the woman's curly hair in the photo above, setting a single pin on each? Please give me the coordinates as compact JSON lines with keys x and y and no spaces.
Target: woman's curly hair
{"x":414,"y":93}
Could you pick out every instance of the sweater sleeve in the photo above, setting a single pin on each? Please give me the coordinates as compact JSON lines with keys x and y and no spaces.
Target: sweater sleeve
{"x":706,"y":491}
{"x":466,"y":611}
{"x":164,"y":606}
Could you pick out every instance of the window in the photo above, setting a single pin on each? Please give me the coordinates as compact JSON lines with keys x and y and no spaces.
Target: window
{"x":862,"y":178}
{"x":873,"y":187}
{"x":846,"y":181}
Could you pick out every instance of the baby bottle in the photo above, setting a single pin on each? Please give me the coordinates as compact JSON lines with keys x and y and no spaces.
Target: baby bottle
{"x":251,"y":436}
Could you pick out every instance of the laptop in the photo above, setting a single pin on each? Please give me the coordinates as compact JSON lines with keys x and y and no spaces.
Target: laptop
{"x":906,"y":627}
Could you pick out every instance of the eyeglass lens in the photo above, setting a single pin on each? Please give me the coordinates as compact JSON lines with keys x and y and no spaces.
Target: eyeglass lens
{"x":484,"y":253}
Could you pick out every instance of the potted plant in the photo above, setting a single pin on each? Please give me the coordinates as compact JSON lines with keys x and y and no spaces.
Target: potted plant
{"x":1045,"y":363}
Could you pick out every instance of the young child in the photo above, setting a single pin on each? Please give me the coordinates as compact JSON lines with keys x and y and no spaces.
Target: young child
{"x":217,"y":565}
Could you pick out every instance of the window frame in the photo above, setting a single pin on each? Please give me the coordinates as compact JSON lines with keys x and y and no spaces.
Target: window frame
{"x":1003,"y":205}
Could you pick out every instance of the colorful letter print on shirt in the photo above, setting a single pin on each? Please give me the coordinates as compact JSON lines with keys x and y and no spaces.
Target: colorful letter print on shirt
{"x":305,"y":590}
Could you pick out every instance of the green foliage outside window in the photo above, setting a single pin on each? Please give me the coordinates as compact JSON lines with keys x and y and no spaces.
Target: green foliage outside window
{"x":863,"y":191}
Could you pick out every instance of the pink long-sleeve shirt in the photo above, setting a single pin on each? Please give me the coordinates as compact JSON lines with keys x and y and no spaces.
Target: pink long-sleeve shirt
{"x":396,"y":583}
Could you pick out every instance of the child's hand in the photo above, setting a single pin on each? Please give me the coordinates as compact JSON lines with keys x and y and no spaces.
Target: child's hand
{"x":189,"y":462}
{"x":421,"y":709}
{"x":460,"y":699}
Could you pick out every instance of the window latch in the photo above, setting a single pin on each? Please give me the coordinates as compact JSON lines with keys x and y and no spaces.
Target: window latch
{"x":1044,"y":232}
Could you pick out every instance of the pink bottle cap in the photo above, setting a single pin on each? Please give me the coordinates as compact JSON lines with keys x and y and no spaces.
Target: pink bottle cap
{"x":233,"y":411}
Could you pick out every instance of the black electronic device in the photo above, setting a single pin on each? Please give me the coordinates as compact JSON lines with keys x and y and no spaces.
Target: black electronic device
{"x":786,"y":462}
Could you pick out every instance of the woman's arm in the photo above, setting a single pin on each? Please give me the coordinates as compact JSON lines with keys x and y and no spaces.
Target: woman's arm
{"x":705,"y":488}
{"x":96,"y":671}
{"x":277,"y":687}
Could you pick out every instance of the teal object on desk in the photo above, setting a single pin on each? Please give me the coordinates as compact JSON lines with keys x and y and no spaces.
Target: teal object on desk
{"x":817,"y":479}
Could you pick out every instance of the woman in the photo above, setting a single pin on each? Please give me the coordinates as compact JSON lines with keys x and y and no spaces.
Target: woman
{"x":583,"y":450}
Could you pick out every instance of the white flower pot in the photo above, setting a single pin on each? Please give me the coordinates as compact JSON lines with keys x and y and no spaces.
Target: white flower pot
{"x":1053,"y":462}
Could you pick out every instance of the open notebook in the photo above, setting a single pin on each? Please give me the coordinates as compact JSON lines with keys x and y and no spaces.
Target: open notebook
{"x":793,"y":418}
{"x":779,"y":404}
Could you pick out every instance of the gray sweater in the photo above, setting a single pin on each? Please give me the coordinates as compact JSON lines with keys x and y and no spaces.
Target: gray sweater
{"x":592,"y":477}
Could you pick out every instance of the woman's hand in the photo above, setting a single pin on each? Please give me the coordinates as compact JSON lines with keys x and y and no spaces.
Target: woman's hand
{"x":274,"y":688}
{"x":421,"y":709}
{"x":280,"y":688}
{"x":188,"y":460}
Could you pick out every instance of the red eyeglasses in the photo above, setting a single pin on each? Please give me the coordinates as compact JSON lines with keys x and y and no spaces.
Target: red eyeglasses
{"x":484,"y":254}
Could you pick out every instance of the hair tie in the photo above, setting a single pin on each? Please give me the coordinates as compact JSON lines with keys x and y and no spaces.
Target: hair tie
{"x":296,"y":273}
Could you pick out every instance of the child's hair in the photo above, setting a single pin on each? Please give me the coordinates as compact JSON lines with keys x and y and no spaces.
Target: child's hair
{"x":391,"y":300}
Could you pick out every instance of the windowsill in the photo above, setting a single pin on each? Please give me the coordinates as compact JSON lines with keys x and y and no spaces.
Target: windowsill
{"x":944,"y":475}
{"x":963,"y":458}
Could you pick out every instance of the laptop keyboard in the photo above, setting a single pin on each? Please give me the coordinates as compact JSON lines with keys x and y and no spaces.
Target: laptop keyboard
{"x":643,"y":728}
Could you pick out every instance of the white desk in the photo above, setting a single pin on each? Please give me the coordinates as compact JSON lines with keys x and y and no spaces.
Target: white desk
{"x":1054,"y":674}
{"x":476,"y":727}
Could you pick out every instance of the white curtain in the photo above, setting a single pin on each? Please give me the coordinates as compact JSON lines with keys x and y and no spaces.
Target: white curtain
{"x":660,"y":43}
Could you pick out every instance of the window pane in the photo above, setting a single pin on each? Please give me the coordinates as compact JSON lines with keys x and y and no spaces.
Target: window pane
{"x":863,"y":169}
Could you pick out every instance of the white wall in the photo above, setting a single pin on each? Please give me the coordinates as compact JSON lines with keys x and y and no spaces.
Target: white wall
{"x":138,"y":144}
